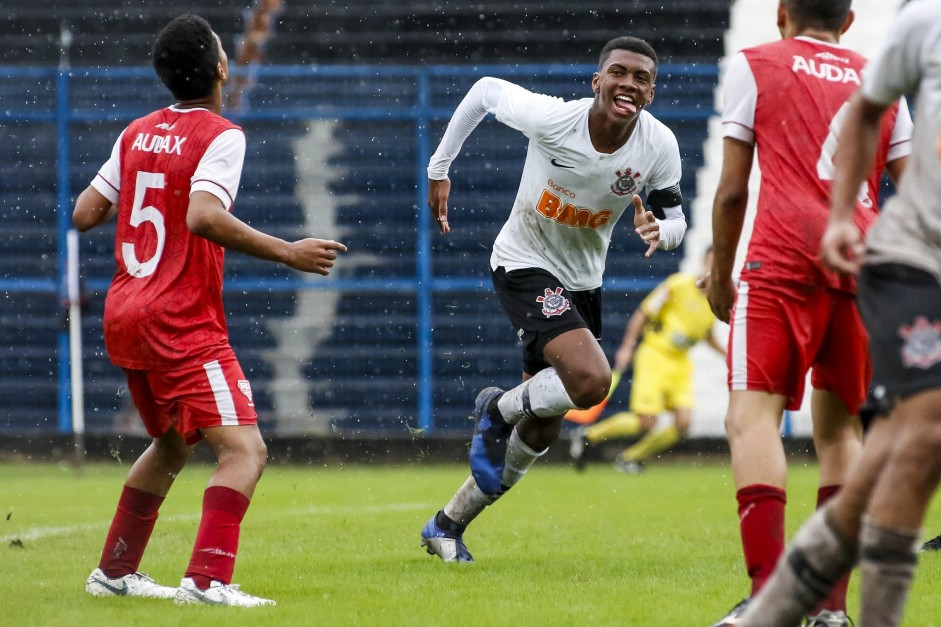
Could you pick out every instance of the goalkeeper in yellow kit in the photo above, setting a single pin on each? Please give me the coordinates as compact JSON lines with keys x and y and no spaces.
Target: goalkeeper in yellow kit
{"x":673,"y":318}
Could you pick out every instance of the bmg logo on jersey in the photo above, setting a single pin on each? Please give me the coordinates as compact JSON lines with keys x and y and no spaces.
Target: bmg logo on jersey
{"x":553,"y":303}
{"x":551,"y":206}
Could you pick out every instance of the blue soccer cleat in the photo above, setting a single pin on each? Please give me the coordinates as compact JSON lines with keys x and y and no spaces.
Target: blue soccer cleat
{"x":488,"y":446}
{"x":448,"y":546}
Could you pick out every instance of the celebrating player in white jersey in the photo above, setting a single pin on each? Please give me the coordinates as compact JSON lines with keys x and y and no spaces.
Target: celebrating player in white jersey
{"x":876,"y":520}
{"x":586,"y":163}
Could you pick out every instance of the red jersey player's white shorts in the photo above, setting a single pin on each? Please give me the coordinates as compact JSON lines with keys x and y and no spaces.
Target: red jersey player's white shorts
{"x":779,"y":332}
{"x":213,"y":394}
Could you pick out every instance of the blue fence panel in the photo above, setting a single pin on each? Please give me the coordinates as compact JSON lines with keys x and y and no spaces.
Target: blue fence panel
{"x":404,"y":331}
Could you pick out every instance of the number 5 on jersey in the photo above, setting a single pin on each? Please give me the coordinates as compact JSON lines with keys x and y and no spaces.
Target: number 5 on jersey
{"x":139,"y":215}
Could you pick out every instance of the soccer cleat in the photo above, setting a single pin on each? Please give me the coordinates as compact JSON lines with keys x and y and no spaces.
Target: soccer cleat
{"x":828,"y":618}
{"x":448,"y":546}
{"x":488,"y":446}
{"x":628,"y":466}
{"x":932,"y":545}
{"x":217,"y":593}
{"x":134,"y":585}
{"x":734,"y":617}
{"x":578,"y":445}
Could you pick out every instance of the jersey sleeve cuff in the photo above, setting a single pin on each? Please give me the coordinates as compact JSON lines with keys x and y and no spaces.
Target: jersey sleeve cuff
{"x":735,"y":130}
{"x":215,"y":189}
{"x":105,"y":188}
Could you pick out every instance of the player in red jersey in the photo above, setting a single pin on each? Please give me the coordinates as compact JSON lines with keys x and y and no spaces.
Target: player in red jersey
{"x":788,"y":314}
{"x":171,"y":181}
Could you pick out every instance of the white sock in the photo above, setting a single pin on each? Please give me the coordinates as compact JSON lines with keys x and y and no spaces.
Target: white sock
{"x":519,"y":457}
{"x":467,"y":503}
{"x":888,"y":557}
{"x":542,"y":396}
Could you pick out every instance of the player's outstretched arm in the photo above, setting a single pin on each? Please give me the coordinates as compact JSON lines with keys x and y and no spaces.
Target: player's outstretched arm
{"x":438,"y":192}
{"x":207,"y":218}
{"x":92,"y":209}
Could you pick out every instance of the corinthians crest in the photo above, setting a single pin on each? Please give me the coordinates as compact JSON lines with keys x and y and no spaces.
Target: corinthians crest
{"x":626,"y":182}
{"x":553,"y":303}
{"x":922,"y":348}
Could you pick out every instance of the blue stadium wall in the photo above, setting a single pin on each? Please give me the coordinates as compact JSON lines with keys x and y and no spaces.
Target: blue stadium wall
{"x":408,"y":330}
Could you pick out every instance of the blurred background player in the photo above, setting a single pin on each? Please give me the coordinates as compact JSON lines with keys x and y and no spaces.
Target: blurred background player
{"x":877,"y":518}
{"x":786,"y":100}
{"x":586,"y":162}
{"x":171,"y":181}
{"x":673,"y":318}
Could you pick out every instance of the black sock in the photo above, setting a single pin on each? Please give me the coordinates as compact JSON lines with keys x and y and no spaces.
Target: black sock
{"x":447,"y":525}
{"x":493,"y":410}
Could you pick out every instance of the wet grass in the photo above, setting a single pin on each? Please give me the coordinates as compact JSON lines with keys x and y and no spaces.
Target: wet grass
{"x":340,"y":546}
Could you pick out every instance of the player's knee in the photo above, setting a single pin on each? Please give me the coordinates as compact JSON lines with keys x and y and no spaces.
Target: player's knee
{"x":590,"y":389}
{"x":739,"y":426}
{"x":172,"y":455}
{"x":917,"y":457}
{"x":259,"y":455}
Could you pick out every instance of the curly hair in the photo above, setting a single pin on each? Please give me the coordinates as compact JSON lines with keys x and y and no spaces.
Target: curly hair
{"x":185,"y":55}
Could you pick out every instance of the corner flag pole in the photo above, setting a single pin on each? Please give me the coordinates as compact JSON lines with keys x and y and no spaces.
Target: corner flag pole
{"x":75,"y":343}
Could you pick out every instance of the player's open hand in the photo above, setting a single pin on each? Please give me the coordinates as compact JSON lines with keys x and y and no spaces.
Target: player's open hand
{"x":646,"y":226}
{"x":842,"y":247}
{"x":313,"y":255}
{"x":438,"y":192}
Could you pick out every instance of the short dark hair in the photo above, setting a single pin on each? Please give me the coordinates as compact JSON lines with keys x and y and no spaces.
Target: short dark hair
{"x":185,"y":56}
{"x":828,"y":15}
{"x":631,"y":44}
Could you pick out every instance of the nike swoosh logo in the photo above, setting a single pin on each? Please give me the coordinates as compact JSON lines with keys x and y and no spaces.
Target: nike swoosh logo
{"x":120,"y":591}
{"x":559,"y":165}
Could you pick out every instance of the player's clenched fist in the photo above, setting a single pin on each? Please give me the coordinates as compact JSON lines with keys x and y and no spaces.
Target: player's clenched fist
{"x":313,"y":255}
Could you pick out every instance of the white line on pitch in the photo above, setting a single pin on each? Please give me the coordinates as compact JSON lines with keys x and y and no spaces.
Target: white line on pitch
{"x":37,"y":533}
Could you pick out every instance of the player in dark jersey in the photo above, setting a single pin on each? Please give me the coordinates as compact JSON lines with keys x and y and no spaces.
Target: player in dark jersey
{"x":171,"y":181}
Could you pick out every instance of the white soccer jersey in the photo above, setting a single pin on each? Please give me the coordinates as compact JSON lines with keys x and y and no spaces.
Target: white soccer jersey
{"x":909,"y":229}
{"x":570,"y":195}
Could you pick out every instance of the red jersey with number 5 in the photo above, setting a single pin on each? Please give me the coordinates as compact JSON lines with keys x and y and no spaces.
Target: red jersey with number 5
{"x":164,"y":307}
{"x":802,"y":86}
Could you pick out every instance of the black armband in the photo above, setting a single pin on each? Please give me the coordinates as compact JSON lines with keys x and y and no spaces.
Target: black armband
{"x":659,"y":199}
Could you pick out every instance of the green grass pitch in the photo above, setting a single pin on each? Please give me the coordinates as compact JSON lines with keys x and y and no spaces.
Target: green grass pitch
{"x":340,"y":546}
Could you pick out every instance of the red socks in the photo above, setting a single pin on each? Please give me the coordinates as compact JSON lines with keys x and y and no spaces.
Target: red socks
{"x":761,"y":520}
{"x":836,"y":599}
{"x":217,"y":540}
{"x":130,"y":530}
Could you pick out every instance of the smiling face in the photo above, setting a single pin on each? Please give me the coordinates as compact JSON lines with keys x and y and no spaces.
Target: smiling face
{"x":624,"y":85}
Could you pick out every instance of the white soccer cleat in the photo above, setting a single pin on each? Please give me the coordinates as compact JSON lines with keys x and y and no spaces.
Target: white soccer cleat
{"x":134,"y":585}
{"x":218,"y":593}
